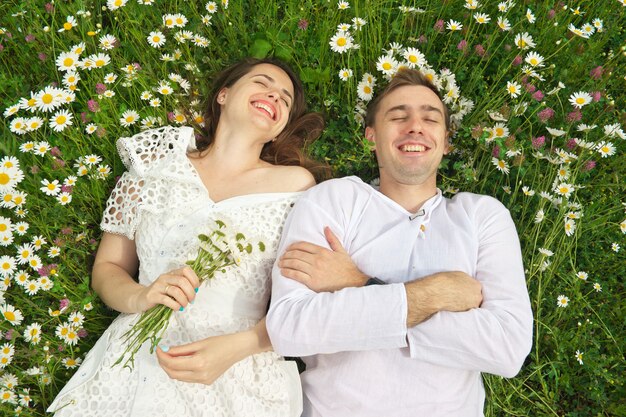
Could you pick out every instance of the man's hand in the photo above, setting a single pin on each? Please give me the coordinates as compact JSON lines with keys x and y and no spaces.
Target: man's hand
{"x":319,"y":268}
{"x":443,"y":291}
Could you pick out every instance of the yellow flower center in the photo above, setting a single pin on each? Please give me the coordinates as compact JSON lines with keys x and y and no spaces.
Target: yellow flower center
{"x":118,"y":3}
{"x":580,"y":100}
{"x":129,"y":119}
{"x":61,"y":119}
{"x":605,"y":149}
{"x":386,"y":66}
{"x":367,"y":89}
{"x":180,"y":118}
{"x":563,"y":190}
{"x":413,"y":59}
{"x":4,"y":180}
{"x":9,"y":315}
{"x":100,"y":63}
{"x":47,"y":98}
{"x":156,"y":39}
{"x":499,"y":131}
{"x":169,"y":22}
{"x":342,"y":41}
{"x":67,"y":26}
{"x":68,"y":62}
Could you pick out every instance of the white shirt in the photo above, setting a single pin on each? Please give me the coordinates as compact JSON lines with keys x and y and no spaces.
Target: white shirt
{"x":361,"y":358}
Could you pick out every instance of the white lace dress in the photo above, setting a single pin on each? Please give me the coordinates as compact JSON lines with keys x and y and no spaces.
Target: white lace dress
{"x":162,"y":203}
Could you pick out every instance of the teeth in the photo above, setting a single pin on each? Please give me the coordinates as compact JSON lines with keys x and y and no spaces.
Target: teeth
{"x":264,"y":107}
{"x":413,"y":148}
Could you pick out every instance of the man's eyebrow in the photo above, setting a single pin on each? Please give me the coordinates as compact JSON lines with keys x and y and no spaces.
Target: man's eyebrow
{"x":272,"y":80}
{"x":423,"y":107}
{"x":400,"y":107}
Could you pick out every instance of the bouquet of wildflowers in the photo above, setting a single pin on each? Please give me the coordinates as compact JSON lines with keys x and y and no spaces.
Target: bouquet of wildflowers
{"x":217,"y":251}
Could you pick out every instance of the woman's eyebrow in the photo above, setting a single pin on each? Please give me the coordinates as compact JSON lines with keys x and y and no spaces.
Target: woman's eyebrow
{"x":273,"y":81}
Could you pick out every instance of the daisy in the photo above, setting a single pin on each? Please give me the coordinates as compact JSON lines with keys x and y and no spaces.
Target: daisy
{"x":164,"y":88}
{"x":454,"y":25}
{"x":597,"y":287}
{"x":605,"y":149}
{"x":576,"y":31}
{"x":206,"y":20}
{"x":38,"y":242}
{"x":471,"y":4}
{"x":19,"y":126}
{"x":50,"y":188}
{"x":31,"y":287}
{"x":88,"y":307}
{"x":24,"y":252}
{"x":622,"y":226}
{"x":344,"y":74}
{"x":67,"y":333}
{"x":107,"y":42}
{"x":482,"y":18}
{"x":413,"y":57}
{"x":562,"y":301}
{"x":343,"y":5}
{"x":579,"y":356}
{"x":100,"y":60}
{"x":530,"y":16}
{"x":598,"y":24}
{"x":9,"y":381}
{"x":11,"y":314}
{"x":155,"y":102}
{"x":10,"y":177}
{"x":7,"y":265}
{"x":588,"y":29}
{"x":582,"y":275}
{"x":387,"y":65}
{"x":555,"y":132}
{"x":91,"y":128}
{"x":92,"y":159}
{"x":21,"y":228}
{"x":503,"y":23}
{"x":524,"y":41}
{"x":615,"y":247}
{"x":585,"y":128}
{"x":48,"y":99}
{"x":365,"y":91}
{"x":11,"y":110}
{"x":64,"y":198}
{"x":570,"y":227}
{"x":614,"y":130}
{"x":67,"y":61}
{"x":500,"y":130}
{"x":168,"y":20}
{"x":211,"y":7}
{"x":34,"y":123}
{"x":513,"y":88}
{"x":45,"y":283}
{"x":103,"y":171}
{"x":580,"y":99}
{"x":341,"y":42}
{"x":527,"y":191}
{"x":70,"y":22}
{"x":198,"y":40}
{"x":71,"y":363}
{"x":501,"y":165}
{"x":358,"y":23}
{"x":546,"y":252}
{"x":108,"y":93}
{"x":29,"y":104}
{"x":6,"y":395}
{"x":156,"y":39}
{"x":129,"y":118}
{"x":116,"y":4}
{"x":76,"y":318}
{"x":534,"y":59}
{"x":6,"y":226}
{"x":61,"y":120}
{"x":564,"y":189}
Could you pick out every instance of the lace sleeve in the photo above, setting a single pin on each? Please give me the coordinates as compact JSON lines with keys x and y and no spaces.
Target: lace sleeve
{"x":122,"y":209}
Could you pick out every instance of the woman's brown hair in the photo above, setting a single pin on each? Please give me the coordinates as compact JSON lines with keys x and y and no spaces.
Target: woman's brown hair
{"x":301,"y":130}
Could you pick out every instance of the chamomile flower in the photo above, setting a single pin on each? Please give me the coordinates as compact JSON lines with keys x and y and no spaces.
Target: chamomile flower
{"x":129,"y":118}
{"x":546,"y":252}
{"x":34,"y":123}
{"x":211,"y":7}
{"x":48,"y":99}
{"x":67,"y":61}
{"x":582,"y":275}
{"x":50,"y":188}
{"x":155,"y":102}
{"x":562,"y":301}
{"x":107,"y":42}
{"x":528,"y":191}
{"x":413,"y":57}
{"x":11,"y":110}
{"x":453,"y":25}
{"x":615,"y":247}
{"x":605,"y":149}
{"x":534,"y":59}
{"x":598,"y":24}
{"x":341,"y":42}
{"x":614,"y":130}
{"x":11,"y":314}
{"x":10,"y":177}
{"x":364,"y":90}
{"x":38,"y":242}
{"x":344,"y":74}
{"x":70,"y":22}
{"x":19,"y":126}
{"x":501,"y":165}
{"x":524,"y":41}
{"x":588,"y":29}
{"x":471,"y":4}
{"x":60,"y":120}
{"x":576,"y":31}
{"x":482,"y":18}
{"x":504,"y":24}
{"x":91,"y":128}
{"x":21,"y":228}
{"x":156,"y":39}
{"x":24,"y":252}
{"x":580,"y":99}
{"x":31,"y":287}
{"x":92,"y":159}
{"x":164,"y":88}
{"x":564,"y":189}
{"x":67,"y":333}
{"x":71,"y":363}
{"x":387,"y":65}
{"x":64,"y":198}
{"x":579,"y":356}
{"x":570,"y":227}
{"x":597,"y":287}
{"x":358,"y":23}
{"x":110,"y":78}
{"x":200,"y":41}
{"x":343,"y":5}
{"x":622,"y":226}
{"x":530,"y":16}
{"x":513,"y":88}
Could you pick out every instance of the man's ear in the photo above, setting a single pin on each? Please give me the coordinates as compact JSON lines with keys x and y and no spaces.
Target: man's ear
{"x":448,"y":146}
{"x":370,"y":135}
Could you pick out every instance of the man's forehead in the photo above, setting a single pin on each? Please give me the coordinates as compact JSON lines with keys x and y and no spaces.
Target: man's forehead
{"x":417,"y":97}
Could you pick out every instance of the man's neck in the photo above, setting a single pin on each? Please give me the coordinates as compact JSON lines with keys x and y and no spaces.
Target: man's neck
{"x":410,"y":196}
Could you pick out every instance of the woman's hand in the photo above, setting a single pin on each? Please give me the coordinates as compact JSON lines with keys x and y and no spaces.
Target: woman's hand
{"x":206,"y":360}
{"x":174,"y":289}
{"x":319,"y":268}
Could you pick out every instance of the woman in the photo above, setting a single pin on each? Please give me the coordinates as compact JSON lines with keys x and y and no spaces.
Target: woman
{"x":215,"y":358}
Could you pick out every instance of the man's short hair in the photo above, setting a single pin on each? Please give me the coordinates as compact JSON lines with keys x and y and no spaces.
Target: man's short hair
{"x":404,"y":77}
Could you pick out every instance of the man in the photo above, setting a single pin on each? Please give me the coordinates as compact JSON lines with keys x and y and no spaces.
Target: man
{"x":439,"y":295}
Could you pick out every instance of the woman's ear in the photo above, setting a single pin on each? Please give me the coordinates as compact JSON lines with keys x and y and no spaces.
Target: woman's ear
{"x":370,"y":135}
{"x":221,"y":96}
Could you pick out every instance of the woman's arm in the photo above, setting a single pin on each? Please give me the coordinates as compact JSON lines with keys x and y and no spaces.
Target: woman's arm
{"x":112,"y":278}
